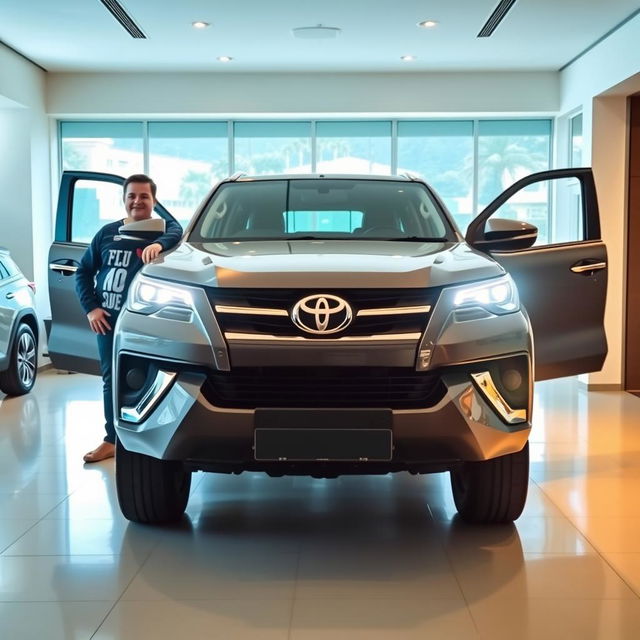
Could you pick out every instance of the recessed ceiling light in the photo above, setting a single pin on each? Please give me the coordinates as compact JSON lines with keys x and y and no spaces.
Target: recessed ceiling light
{"x":224,"y":58}
{"x":428,"y":24}
{"x":199,"y":24}
{"x":407,"y":58}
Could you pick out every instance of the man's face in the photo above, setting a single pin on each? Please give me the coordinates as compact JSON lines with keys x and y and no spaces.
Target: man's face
{"x":138,"y":201}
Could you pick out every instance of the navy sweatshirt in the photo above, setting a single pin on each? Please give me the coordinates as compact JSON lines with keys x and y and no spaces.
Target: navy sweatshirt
{"x":108,"y":266}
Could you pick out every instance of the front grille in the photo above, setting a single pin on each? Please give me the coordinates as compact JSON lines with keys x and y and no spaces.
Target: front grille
{"x":320,"y":387}
{"x":359,"y":299}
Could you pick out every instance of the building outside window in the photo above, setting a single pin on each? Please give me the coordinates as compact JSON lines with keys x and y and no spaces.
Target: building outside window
{"x":441,"y":152}
{"x":507,"y":151}
{"x":185,"y":160}
{"x":468,"y":162}
{"x":272,"y":147}
{"x":110,"y":147}
{"x":354,"y":147}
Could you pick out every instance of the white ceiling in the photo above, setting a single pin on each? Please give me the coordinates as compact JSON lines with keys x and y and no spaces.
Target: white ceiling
{"x":81,"y":35}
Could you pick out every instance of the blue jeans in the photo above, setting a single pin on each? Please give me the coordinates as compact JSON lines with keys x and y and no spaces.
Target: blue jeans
{"x":105,"y":348}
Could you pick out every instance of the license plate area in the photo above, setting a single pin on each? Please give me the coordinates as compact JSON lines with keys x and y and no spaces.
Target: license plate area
{"x":323,"y":435}
{"x":323,"y":445}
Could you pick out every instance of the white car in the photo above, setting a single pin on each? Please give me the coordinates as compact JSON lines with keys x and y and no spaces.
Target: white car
{"x":18,"y":329}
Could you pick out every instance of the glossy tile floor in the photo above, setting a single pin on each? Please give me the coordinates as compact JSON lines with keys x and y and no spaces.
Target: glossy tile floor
{"x":360,"y":558}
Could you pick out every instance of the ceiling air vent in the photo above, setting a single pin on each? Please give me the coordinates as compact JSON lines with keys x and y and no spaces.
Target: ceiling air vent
{"x":496,"y":18}
{"x":119,"y":13}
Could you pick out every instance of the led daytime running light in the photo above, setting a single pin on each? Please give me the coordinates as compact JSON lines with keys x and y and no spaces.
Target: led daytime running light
{"x":500,"y":297}
{"x":148,"y":297}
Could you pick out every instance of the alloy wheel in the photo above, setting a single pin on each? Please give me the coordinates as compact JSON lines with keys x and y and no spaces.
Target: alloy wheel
{"x":26,"y":359}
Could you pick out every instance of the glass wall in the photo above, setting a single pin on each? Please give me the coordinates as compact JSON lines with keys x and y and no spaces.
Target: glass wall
{"x":272,"y":147}
{"x":467,"y":161}
{"x":353,"y":147}
{"x":185,"y":160}
{"x":108,"y":147}
{"x":576,"y":145}
{"x":507,"y":151}
{"x":442,"y":152}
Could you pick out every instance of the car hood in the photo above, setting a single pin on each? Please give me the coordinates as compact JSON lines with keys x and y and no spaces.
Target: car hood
{"x":323,"y":263}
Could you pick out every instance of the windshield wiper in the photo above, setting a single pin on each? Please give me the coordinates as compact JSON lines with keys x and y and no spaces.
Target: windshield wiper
{"x":411,"y":239}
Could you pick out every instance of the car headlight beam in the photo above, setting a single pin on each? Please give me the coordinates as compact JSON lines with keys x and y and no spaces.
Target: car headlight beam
{"x":498,"y":297}
{"x":148,"y":297}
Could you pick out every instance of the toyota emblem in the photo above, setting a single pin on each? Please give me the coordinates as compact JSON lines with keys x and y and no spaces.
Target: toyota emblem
{"x":321,"y":314}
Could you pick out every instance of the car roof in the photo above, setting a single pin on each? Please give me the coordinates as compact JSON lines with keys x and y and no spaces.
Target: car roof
{"x":241,"y":177}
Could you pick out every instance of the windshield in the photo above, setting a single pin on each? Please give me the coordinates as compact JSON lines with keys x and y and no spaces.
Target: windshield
{"x":319,"y":208}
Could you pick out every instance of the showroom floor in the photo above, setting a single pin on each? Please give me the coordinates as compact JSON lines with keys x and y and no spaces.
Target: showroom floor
{"x":358,"y":558}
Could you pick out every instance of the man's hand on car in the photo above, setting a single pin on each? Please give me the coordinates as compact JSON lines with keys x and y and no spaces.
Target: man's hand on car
{"x":151,"y":252}
{"x":98,"y":320}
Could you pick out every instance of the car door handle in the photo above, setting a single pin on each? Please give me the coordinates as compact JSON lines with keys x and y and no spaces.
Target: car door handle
{"x":586,"y":267}
{"x":10,"y":296}
{"x":63,"y":268}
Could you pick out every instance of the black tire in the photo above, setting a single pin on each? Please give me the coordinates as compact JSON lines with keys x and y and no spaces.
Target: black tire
{"x":20,"y":377}
{"x":492,"y":491}
{"x":150,"y":491}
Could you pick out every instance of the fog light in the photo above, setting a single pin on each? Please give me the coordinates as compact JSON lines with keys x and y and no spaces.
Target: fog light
{"x":484,"y":383}
{"x":512,"y":379}
{"x":156,"y":391}
{"x":135,"y":379}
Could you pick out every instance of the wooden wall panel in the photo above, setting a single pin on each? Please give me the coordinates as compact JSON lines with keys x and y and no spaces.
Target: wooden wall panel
{"x":632,"y":338}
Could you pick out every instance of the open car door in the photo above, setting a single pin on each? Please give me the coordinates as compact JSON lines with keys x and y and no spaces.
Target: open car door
{"x":562,"y":278}
{"x":86,"y":202}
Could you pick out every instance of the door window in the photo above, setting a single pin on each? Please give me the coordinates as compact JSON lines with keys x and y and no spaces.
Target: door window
{"x":553,"y":206}
{"x":95,"y":204}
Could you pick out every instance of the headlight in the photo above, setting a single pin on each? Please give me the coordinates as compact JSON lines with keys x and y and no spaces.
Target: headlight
{"x":499,"y":296}
{"x":148,"y":297}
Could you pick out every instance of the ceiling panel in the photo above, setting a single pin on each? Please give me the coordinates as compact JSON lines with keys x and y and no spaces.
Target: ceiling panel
{"x":81,"y":35}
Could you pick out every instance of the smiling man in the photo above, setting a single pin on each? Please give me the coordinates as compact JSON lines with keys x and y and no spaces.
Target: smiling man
{"x":103,"y":278}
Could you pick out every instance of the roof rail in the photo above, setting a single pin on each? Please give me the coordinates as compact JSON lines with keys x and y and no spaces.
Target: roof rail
{"x":236,"y":176}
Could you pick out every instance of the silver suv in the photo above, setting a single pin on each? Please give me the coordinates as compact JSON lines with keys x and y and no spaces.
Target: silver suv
{"x":18,"y":329}
{"x":325,"y":325}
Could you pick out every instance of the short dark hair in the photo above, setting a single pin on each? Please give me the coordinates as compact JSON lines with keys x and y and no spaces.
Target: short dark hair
{"x":140,"y":178}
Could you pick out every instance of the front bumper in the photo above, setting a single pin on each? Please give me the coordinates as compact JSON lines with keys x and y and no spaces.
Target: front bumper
{"x":467,"y":414}
{"x":464,"y":424}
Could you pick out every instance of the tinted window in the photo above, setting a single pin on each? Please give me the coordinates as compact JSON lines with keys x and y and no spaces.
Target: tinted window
{"x":350,"y":209}
{"x":8,"y":267}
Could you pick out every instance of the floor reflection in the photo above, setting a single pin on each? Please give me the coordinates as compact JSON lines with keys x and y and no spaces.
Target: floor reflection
{"x":301,"y":558}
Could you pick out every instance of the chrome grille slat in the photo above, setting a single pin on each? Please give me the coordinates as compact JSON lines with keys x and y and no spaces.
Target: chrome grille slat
{"x":378,"y":311}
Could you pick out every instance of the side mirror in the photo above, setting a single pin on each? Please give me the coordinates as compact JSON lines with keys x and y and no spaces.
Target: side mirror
{"x":143,"y":230}
{"x":501,"y":234}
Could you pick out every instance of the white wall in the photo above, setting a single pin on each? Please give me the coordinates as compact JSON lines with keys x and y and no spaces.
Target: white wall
{"x":25,"y":206}
{"x":598,"y":84}
{"x":15,"y":186}
{"x":203,"y":94}
{"x":20,"y":81}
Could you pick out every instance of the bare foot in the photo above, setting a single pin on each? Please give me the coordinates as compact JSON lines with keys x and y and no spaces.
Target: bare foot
{"x":104,"y":451}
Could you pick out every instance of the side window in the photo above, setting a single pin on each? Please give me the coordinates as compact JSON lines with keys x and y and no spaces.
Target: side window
{"x":554,"y":207}
{"x":94,"y":205}
{"x":10,"y":267}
